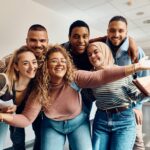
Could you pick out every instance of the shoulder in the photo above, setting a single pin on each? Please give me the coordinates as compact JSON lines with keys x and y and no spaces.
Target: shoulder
{"x":66,"y":45}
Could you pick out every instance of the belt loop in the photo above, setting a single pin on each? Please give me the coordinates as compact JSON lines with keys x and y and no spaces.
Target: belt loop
{"x":117,"y":110}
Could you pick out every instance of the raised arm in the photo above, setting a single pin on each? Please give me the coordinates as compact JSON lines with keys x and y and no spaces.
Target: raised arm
{"x":98,"y":39}
{"x":133,"y":50}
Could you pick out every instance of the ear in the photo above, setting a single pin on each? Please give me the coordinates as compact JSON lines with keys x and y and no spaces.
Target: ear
{"x":26,"y":41}
{"x":107,"y":31}
{"x":69,"y":37}
{"x":16,"y":67}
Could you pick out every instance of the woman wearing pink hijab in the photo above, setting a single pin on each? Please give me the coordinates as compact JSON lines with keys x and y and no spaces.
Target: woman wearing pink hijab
{"x":114,"y":125}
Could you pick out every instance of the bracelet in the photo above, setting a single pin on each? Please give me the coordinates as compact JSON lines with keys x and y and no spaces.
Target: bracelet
{"x":134,"y":69}
{"x":130,"y":69}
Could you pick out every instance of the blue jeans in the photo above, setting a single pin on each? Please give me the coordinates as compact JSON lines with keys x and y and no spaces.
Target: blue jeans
{"x":3,"y":133}
{"x":36,"y":125}
{"x":114,"y":131}
{"x":17,"y":136}
{"x":77,"y":131}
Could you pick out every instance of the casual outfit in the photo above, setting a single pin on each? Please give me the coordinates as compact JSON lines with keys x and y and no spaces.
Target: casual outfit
{"x":81,"y":61}
{"x":17,"y":135}
{"x":122,"y":58}
{"x":114,"y":126}
{"x":66,"y":115}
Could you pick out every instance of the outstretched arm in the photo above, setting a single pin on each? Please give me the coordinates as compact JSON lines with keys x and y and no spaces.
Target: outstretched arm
{"x":28,"y":115}
{"x":87,"y":79}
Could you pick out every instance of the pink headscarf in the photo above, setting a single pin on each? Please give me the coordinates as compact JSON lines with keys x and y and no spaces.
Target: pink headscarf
{"x":107,"y":54}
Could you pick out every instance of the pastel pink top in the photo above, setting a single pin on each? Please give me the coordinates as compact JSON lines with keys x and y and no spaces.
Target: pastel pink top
{"x":67,"y":102}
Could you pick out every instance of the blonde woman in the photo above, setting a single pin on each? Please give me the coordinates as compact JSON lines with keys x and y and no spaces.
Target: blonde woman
{"x":20,"y":73}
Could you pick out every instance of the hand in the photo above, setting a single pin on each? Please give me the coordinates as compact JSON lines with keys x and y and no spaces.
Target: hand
{"x":1,"y":117}
{"x":144,"y":63}
{"x":138,"y":116}
{"x":9,"y":109}
{"x":133,"y":50}
{"x":133,"y":55}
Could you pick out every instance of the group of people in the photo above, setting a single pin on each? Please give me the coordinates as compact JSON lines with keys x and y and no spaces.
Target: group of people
{"x":54,"y":87}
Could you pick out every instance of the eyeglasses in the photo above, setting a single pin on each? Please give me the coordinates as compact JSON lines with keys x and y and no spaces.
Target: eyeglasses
{"x":55,"y":61}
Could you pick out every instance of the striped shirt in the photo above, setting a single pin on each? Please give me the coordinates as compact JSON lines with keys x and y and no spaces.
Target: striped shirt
{"x":116,"y":94}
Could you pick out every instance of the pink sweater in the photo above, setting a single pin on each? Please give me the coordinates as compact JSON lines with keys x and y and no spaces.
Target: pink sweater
{"x":67,"y":103}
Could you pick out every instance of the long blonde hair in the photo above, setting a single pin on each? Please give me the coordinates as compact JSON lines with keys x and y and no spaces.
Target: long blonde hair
{"x":44,"y":78}
{"x":11,"y":72}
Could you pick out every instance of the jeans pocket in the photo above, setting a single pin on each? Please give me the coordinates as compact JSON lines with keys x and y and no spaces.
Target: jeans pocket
{"x":128,"y":113}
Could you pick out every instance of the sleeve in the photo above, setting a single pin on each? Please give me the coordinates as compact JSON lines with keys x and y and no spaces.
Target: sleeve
{"x":132,"y":91}
{"x":141,"y":54}
{"x":4,"y":63}
{"x":89,"y":79}
{"x":29,"y":114}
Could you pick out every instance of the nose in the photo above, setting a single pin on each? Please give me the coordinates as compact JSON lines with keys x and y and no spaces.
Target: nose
{"x":92,"y":55}
{"x":38,"y":43}
{"x":31,"y":66}
{"x":81,"y":40}
{"x":116,"y":34}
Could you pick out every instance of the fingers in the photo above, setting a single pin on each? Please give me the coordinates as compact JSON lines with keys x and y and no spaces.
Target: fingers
{"x":11,"y":109}
{"x":138,"y":116}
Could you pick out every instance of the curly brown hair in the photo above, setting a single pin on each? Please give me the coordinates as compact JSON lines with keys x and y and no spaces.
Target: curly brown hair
{"x":44,"y":78}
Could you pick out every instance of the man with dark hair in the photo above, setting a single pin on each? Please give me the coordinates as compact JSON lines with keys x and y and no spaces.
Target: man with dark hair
{"x":79,"y":34}
{"x":37,"y":42}
{"x":119,"y":42}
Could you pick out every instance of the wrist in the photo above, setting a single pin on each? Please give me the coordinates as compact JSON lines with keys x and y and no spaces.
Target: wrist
{"x":130,"y":69}
{"x":1,"y":118}
{"x":137,"y":67}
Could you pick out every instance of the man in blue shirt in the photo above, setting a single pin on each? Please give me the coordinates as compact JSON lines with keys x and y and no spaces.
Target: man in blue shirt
{"x":118,"y":41}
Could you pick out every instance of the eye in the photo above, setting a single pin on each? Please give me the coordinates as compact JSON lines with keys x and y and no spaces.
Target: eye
{"x":63,"y":61}
{"x":89,"y":54}
{"x":34,"y":62}
{"x":43,"y":40}
{"x":53,"y":61}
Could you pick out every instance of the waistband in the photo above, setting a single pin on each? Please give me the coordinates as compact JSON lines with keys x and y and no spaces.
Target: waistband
{"x":115,"y":110}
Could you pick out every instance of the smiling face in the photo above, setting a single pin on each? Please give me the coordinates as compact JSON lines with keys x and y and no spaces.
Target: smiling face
{"x":37,"y":41}
{"x":26,"y":65}
{"x":95,"y":56}
{"x":117,"y":32}
{"x":57,"y":67}
{"x":79,"y":39}
{"x":100,"y":55}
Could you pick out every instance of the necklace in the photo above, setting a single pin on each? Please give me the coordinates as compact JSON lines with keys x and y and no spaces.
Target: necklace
{"x":20,"y":90}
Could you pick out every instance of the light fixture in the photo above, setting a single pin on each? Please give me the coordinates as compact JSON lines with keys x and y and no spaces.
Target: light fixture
{"x":129,"y":2}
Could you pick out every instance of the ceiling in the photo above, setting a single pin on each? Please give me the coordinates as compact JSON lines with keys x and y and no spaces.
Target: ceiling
{"x":97,"y":14}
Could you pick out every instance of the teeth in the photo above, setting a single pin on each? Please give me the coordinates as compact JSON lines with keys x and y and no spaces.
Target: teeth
{"x":59,"y":69}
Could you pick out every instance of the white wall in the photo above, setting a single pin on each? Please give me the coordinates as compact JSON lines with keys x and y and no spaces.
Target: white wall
{"x":16,"y":16}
